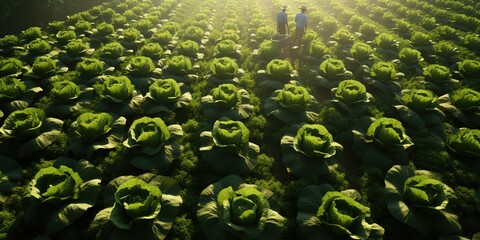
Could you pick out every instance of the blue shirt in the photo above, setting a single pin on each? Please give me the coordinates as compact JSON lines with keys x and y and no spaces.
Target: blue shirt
{"x":301,"y":20}
{"x":282,"y":17}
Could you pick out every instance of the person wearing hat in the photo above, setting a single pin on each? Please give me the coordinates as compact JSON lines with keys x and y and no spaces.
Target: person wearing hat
{"x":282,"y":21}
{"x":300,"y":25}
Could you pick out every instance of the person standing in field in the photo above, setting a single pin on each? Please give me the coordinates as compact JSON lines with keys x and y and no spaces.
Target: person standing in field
{"x":301,"y":25}
{"x":282,"y":21}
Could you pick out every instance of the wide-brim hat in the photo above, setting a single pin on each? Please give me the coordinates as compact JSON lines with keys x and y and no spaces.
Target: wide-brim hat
{"x":303,"y":7}
{"x":284,"y":6}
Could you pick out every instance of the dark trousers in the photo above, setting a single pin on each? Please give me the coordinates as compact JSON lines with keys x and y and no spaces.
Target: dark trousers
{"x":299,"y":32}
{"x":281,"y":28}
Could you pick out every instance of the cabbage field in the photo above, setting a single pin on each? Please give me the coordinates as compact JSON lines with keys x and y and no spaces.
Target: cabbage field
{"x":186,"y":120}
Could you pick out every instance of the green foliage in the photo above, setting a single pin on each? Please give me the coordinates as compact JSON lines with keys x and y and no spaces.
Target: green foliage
{"x":64,"y":91}
{"x":324,"y":212}
{"x":420,"y":199}
{"x":268,"y":50}
{"x":231,"y":209}
{"x":117,"y":89}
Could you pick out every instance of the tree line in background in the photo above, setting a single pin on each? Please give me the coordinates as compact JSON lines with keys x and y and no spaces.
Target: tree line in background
{"x":17,"y":15}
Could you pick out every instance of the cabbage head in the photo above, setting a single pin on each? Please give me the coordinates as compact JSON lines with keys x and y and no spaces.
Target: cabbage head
{"x":410,"y":56}
{"x":179,"y":65}
{"x":305,"y":151}
{"x":386,"y":41}
{"x":162,"y":37}
{"x":90,"y":68}
{"x":352,"y":97}
{"x":65,"y":36}
{"x":389,"y":133}
{"x":420,"y":39}
{"x":11,"y":89}
{"x":268,"y":50}
{"x":64,"y":91}
{"x":226,"y":96}
{"x":469,"y":68}
{"x":111,"y":50}
{"x":292,"y":104}
{"x":152,"y":50}
{"x":324,"y":213}
{"x":332,"y":68}
{"x":90,"y":126}
{"x":147,"y":132}
{"x":38,"y":47}
{"x":143,"y":207}
{"x":165,"y":91}
{"x":44,"y":66}
{"x":76,"y":48}
{"x":465,"y":99}
{"x":437,"y":73}
{"x":32,"y":33}
{"x":224,"y":68}
{"x":317,"y":49}
{"x":295,"y":98}
{"x":117,"y":89}
{"x":227,"y":148}
{"x":24,"y":123}
{"x":231,"y":209}
{"x":384,"y":142}
{"x":188,"y":48}
{"x":384,"y":71}
{"x":361,"y":51}
{"x":27,"y":131}
{"x":94,"y":131}
{"x":193,"y":33}
{"x":131,"y":34}
{"x":279,"y":69}
{"x":419,"y":100}
{"x":227,"y":100}
{"x":226,"y":48}
{"x":351,"y":92}
{"x":465,"y":142}
{"x":140,"y":66}
{"x":10,"y":66}
{"x":105,"y":29}
{"x":60,"y":194}
{"x":420,"y":199}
